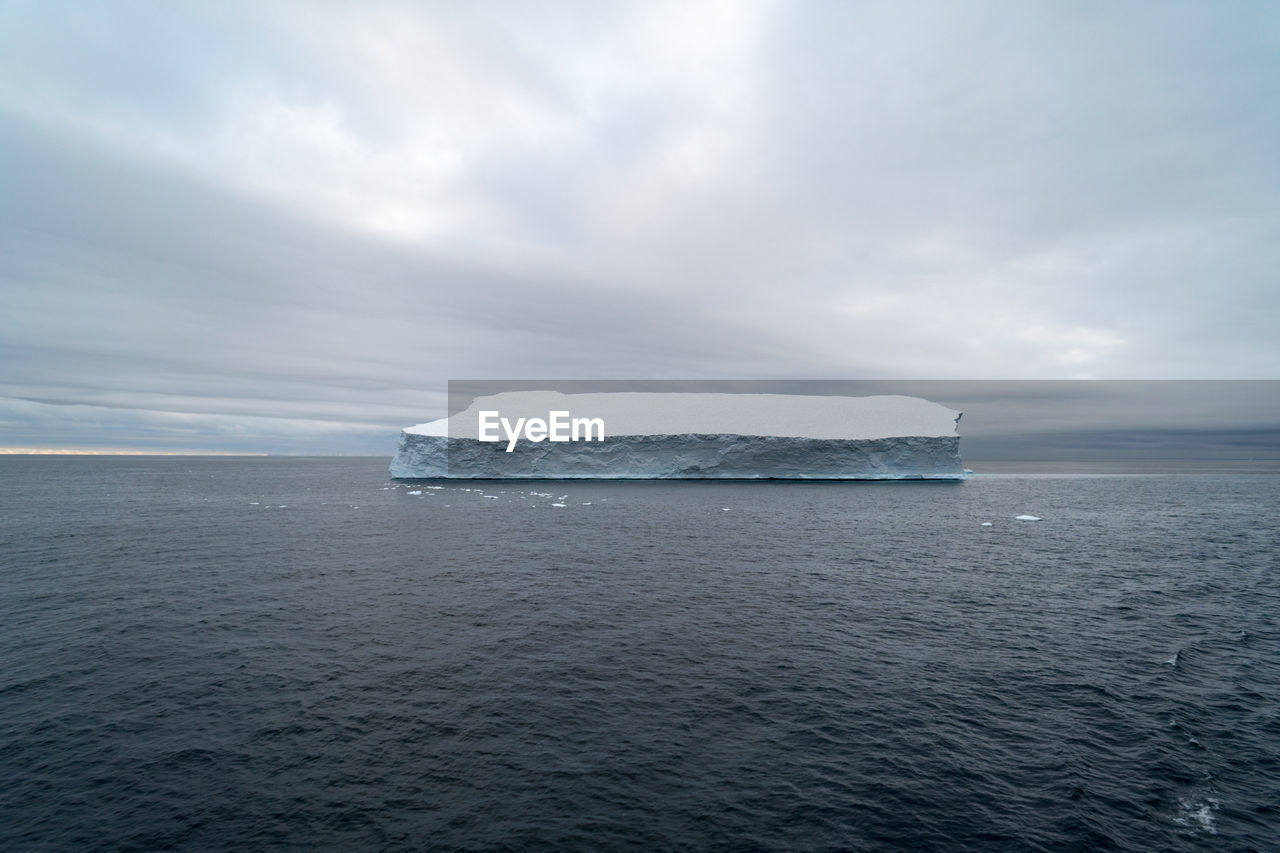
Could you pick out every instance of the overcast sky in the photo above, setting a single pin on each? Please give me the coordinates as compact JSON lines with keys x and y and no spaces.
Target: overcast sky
{"x":278,"y":225}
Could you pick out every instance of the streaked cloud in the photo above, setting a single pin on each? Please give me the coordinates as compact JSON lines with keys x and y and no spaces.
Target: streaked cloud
{"x":297,"y":214}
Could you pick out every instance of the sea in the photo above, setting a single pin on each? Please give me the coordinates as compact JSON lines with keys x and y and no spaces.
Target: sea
{"x":301,"y":654}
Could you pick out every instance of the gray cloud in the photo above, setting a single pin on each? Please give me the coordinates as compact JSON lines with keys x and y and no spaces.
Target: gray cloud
{"x":304,"y":218}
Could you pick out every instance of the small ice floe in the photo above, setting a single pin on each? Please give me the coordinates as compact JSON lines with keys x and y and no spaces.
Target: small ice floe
{"x":1198,"y":814}
{"x":986,"y":524}
{"x":724,"y":509}
{"x":414,"y":492}
{"x":1026,"y":518}
{"x":254,"y":503}
{"x":490,"y":497}
{"x":586,"y":503}
{"x":435,"y":487}
{"x":562,"y":497}
{"x":560,"y":505}
{"x":968,"y":470}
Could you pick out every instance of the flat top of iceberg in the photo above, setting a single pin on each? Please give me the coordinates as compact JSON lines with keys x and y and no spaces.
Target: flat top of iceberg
{"x":657,"y":413}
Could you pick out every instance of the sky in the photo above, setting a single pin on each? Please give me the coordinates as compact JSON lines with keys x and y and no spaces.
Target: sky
{"x":283,"y":226}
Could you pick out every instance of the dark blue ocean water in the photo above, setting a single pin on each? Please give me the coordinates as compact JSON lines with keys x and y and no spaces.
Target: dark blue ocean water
{"x":235,"y":654}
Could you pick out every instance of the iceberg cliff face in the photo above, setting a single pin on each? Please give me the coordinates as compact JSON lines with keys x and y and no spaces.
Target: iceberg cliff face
{"x":696,"y":436}
{"x":674,"y":457}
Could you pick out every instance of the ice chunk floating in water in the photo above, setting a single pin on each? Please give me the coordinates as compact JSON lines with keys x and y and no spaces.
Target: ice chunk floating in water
{"x":1199,"y":813}
{"x":1027,"y":518}
{"x":696,"y":436}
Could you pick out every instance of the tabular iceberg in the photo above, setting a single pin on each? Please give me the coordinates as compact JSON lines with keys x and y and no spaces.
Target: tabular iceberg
{"x":688,"y":436}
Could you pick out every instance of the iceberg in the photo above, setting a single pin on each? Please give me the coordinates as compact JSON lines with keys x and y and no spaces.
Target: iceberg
{"x":654,"y":435}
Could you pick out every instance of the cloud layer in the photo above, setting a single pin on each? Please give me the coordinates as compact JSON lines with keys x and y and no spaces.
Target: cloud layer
{"x":280,"y":216}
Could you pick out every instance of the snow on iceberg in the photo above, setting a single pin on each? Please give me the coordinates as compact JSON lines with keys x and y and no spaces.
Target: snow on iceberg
{"x":651,"y":435}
